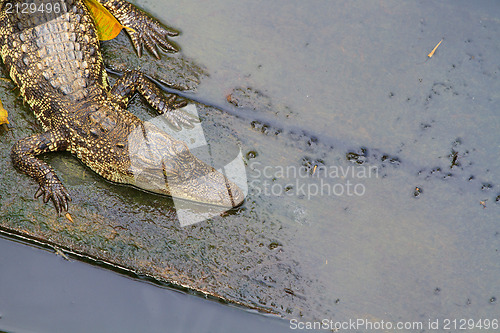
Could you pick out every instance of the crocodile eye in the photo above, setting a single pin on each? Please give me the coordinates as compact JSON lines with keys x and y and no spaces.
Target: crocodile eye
{"x":120,"y":145}
{"x":169,"y":170}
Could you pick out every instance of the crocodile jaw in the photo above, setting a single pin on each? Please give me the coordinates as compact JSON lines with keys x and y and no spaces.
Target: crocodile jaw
{"x":164,"y":165}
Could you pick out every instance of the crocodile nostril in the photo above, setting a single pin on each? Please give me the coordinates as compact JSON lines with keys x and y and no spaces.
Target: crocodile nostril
{"x":235,"y":195}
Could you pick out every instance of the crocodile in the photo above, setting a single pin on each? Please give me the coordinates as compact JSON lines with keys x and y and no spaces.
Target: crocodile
{"x":55,"y":60}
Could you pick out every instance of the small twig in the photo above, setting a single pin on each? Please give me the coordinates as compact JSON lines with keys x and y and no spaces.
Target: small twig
{"x":434,"y":49}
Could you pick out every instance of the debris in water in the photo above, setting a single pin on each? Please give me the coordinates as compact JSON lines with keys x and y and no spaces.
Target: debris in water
{"x":434,"y":49}
{"x":60,"y":253}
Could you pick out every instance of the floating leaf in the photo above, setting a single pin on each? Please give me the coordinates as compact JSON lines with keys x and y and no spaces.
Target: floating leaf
{"x":107,"y":25}
{"x":3,"y":115}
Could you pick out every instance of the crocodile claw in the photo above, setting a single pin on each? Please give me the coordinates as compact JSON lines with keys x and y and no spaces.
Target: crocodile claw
{"x":55,"y":191}
{"x":177,"y":117}
{"x":146,"y":32}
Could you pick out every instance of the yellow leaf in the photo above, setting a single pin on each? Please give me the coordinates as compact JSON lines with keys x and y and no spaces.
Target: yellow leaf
{"x":68,"y":216}
{"x":3,"y":115}
{"x":107,"y":25}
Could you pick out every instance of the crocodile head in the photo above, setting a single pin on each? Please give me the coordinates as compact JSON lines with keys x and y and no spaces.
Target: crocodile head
{"x":164,"y":165}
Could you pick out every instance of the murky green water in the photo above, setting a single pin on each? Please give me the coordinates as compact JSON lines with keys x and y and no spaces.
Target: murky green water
{"x":326,"y":91}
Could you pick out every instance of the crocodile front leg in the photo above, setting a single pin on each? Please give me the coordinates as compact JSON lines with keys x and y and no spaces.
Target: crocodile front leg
{"x":23,"y":157}
{"x":135,"y":81}
{"x":146,"y":31}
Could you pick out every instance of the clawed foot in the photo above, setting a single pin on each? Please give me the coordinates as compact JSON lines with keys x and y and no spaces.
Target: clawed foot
{"x":149,"y":33}
{"x":55,"y":191}
{"x":177,"y":117}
